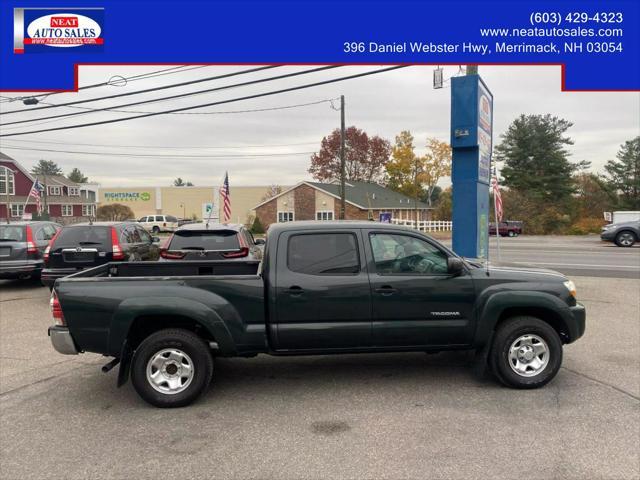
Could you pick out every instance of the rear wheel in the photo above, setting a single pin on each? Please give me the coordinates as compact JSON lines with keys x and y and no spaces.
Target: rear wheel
{"x":526,"y":352}
{"x":171,"y":368}
{"x":511,"y":233}
{"x":625,"y":239}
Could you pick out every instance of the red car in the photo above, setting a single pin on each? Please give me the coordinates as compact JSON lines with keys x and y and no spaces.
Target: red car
{"x":507,"y":228}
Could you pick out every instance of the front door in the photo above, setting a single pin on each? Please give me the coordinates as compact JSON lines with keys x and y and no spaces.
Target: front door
{"x":416,"y":302}
{"x":323,"y":298}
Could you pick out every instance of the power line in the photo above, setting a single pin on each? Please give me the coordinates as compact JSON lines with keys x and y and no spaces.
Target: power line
{"x":153,"y":155}
{"x":138,"y":92}
{"x":112,"y":82}
{"x":181,"y":95}
{"x":248,"y":97}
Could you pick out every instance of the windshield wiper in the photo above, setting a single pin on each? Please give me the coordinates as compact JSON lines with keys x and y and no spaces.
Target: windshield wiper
{"x":192,"y":248}
{"x":89,"y":243}
{"x":8,"y":239}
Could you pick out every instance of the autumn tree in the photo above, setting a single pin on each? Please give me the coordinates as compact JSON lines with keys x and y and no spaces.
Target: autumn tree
{"x":405,"y":170}
{"x":623,"y":174}
{"x":436,"y":164}
{"x":77,"y":176}
{"x":365,"y":157}
{"x":46,"y":167}
{"x":114,"y":212}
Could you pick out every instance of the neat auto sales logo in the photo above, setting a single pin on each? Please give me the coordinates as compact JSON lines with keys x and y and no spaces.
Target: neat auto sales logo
{"x":39,"y":29}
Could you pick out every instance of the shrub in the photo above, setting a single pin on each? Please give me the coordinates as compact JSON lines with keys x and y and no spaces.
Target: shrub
{"x":257,"y":227}
{"x":585,"y":226}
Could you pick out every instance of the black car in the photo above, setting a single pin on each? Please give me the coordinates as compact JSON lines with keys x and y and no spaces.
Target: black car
{"x":622,"y":234}
{"x":85,"y":245}
{"x":213,"y":241}
{"x":22,"y":248}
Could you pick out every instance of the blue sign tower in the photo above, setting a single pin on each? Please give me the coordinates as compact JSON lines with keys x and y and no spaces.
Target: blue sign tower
{"x":471,"y":141}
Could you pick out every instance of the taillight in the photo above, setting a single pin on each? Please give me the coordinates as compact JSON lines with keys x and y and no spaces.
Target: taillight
{"x":47,"y":250}
{"x":56,"y":309}
{"x":243,"y":252}
{"x":31,"y":247}
{"x":164,"y":253}
{"x":118,"y":254}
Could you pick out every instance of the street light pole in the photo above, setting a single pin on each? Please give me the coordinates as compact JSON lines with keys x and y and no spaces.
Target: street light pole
{"x":342,"y":160}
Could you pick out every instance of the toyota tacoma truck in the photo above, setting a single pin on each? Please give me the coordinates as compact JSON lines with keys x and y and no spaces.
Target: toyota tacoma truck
{"x":321,"y":288}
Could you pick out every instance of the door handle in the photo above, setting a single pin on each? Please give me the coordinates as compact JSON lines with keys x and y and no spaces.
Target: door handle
{"x":386,"y":290}
{"x":295,"y":291}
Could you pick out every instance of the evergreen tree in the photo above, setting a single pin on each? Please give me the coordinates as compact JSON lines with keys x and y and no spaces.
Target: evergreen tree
{"x":536,"y":160}
{"x":77,"y":176}
{"x":46,"y":167}
{"x":624,"y":174}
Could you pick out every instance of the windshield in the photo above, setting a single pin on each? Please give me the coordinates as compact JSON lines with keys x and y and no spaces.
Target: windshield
{"x":205,"y":240}
{"x":12,"y":233}
{"x":85,"y":235}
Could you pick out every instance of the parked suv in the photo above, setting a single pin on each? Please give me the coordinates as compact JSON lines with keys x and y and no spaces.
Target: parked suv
{"x":159,"y":223}
{"x":623,"y":234}
{"x":199,"y":241}
{"x":85,"y":245}
{"x":22,"y":247}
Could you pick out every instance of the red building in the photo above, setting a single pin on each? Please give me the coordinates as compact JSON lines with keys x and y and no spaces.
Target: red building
{"x":65,"y":201}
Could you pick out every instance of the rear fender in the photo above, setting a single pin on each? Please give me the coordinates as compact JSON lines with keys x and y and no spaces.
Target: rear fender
{"x":132,"y":308}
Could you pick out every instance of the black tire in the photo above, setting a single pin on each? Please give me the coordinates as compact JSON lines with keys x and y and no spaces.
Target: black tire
{"x":626,"y":239}
{"x":184,"y":341}
{"x":155,"y":229}
{"x":510,"y":331}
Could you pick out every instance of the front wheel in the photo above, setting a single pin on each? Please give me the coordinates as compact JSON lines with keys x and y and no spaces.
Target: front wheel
{"x":625,"y":239}
{"x":171,"y":368}
{"x":526,"y":353}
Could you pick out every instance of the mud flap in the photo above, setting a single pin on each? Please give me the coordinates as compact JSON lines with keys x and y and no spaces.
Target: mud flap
{"x":481,"y":368}
{"x":125,"y":364}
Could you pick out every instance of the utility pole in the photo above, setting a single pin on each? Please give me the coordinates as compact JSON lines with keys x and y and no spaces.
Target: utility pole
{"x":472,"y":69}
{"x":6,"y":189}
{"x":342,"y":161}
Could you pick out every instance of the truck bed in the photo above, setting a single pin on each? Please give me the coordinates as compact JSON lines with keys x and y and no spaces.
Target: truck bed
{"x":170,"y":269}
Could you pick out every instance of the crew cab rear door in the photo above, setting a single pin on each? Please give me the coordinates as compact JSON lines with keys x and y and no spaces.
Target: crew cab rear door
{"x":323,"y":299}
{"x":416,"y":302}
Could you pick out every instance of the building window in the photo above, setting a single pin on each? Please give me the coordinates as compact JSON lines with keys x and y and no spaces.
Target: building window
{"x":17,"y":210}
{"x":67,"y":210}
{"x":285,"y":217}
{"x":88,"y":210}
{"x":324,"y":215}
{"x":55,"y":191}
{"x":4,"y":173}
{"x":74,"y":191}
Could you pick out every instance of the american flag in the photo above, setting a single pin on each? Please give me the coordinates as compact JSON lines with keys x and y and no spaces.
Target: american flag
{"x":497,"y":198}
{"x":226,"y":199}
{"x":36,"y":189}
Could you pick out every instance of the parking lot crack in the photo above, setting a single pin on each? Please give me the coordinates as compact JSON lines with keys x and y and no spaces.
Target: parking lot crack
{"x":629,"y":394}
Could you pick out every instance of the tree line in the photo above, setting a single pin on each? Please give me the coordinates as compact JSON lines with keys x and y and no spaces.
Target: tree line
{"x":543,"y":187}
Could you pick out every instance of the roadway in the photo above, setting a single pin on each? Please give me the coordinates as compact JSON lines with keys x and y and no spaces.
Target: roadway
{"x":571,"y":255}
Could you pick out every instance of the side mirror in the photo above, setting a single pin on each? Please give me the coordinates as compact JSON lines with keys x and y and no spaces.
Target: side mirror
{"x":155,"y":239}
{"x":454,"y":266}
{"x":260,"y":241}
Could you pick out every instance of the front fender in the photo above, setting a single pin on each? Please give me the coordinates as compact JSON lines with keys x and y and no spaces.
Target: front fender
{"x":494,"y":304}
{"x":132,"y":308}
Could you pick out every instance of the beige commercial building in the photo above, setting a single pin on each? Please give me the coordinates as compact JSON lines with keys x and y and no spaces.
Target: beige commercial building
{"x":184,"y":202}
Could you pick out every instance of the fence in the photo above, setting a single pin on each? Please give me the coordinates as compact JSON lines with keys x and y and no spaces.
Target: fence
{"x":425,"y":225}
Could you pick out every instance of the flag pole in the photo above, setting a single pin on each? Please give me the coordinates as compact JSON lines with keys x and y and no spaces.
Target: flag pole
{"x":495,"y":211}
{"x":26,"y":202}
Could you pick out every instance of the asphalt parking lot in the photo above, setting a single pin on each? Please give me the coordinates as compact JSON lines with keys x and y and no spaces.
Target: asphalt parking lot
{"x":352,"y":416}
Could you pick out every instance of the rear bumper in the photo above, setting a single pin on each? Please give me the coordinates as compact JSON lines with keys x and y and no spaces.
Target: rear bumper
{"x":16,"y":269}
{"x":579,"y":314}
{"x":50,"y":275}
{"x":62,"y":340}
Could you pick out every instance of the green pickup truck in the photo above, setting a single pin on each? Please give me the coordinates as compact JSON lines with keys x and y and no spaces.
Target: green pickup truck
{"x":322,"y":287}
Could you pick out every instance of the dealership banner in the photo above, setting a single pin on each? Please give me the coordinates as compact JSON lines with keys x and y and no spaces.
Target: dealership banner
{"x":596,"y":43}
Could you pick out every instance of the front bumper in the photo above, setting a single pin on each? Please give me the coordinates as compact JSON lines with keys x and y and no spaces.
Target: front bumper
{"x":579,"y":314}
{"x":608,"y":235}
{"x":49,"y":276}
{"x":62,"y":340}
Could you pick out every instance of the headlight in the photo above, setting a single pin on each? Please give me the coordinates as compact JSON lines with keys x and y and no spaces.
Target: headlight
{"x":571,"y":287}
{"x":608,"y":227}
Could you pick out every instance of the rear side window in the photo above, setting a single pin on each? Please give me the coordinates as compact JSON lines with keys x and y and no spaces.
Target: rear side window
{"x":204,"y":240}
{"x":12,"y":233}
{"x":323,"y":254}
{"x":171,"y":219}
{"x":89,"y":235}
